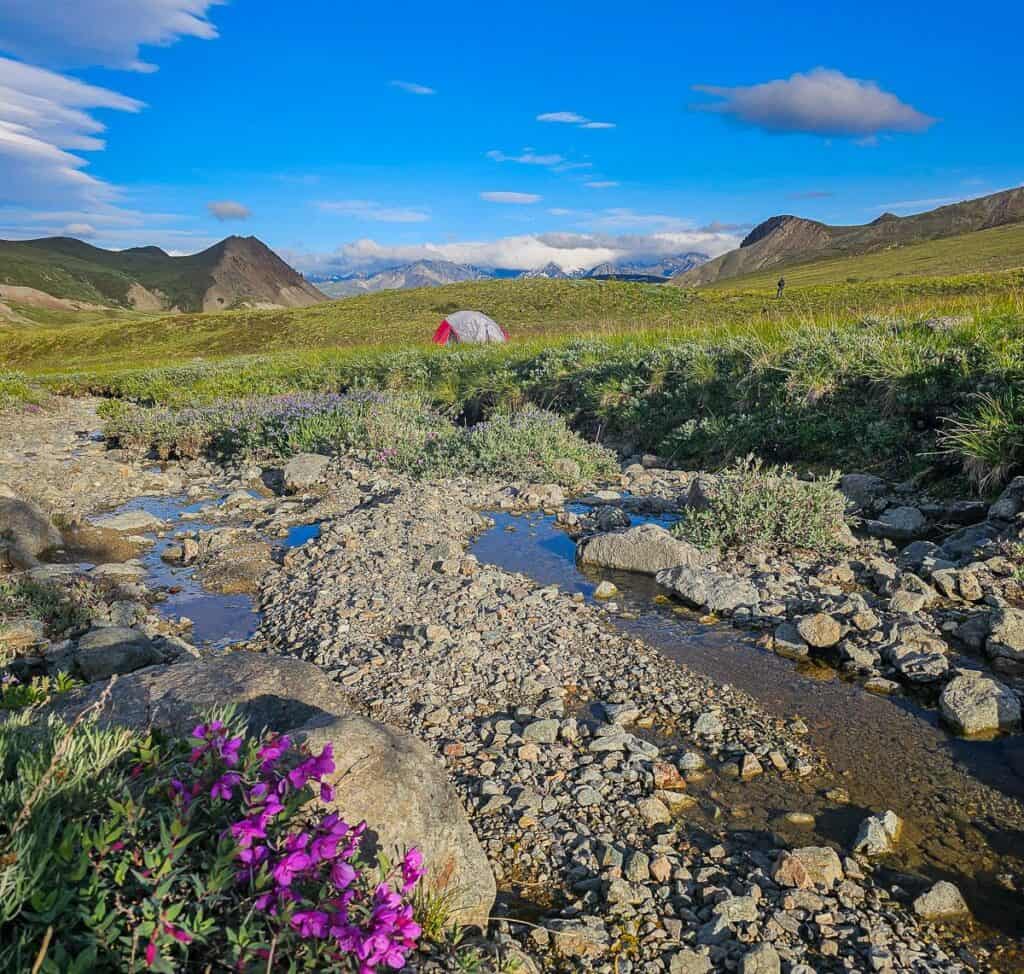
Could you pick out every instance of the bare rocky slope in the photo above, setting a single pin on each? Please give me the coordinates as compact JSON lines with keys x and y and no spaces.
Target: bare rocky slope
{"x":785,"y":240}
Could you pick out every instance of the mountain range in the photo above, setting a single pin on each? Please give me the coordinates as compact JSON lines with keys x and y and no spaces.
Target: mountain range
{"x":783,"y":241}
{"x":434,"y":273}
{"x":64,"y":273}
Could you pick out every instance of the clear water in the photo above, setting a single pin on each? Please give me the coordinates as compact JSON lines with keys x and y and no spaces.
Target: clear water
{"x":960,"y":799}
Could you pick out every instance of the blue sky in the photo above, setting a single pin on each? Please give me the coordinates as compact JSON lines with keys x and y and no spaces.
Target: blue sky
{"x":354,"y":137}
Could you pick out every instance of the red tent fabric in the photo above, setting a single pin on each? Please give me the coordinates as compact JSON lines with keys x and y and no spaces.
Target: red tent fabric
{"x":443,"y":333}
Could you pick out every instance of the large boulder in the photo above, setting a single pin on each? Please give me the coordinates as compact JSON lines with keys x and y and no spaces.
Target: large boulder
{"x":647,"y":549}
{"x":392,"y":781}
{"x":383,"y":776}
{"x":709,"y":590}
{"x":27,"y":531}
{"x":104,"y":652}
{"x":268,"y":691}
{"x":974,"y":704}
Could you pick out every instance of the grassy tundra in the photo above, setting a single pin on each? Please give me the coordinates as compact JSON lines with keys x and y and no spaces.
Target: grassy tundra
{"x":857,"y":375}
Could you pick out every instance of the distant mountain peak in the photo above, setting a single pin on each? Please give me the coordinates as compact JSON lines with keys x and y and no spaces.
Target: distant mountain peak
{"x":235,"y":272}
{"x":783,"y":240}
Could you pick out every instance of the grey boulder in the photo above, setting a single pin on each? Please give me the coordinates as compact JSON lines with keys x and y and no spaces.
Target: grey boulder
{"x":392,"y":781}
{"x":383,"y":776}
{"x":647,"y":549}
{"x":104,"y":652}
{"x":943,"y":901}
{"x":304,"y":470}
{"x":974,"y":704}
{"x":27,"y":530}
{"x":898,"y":524}
{"x":709,"y":590}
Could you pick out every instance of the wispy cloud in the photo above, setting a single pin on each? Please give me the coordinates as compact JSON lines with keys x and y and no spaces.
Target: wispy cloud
{"x":601,"y":184}
{"x":527,"y":157}
{"x":821,"y":102}
{"x":516,"y":199}
{"x":549,"y":160}
{"x":224,"y":210}
{"x":574,"y":118}
{"x":413,"y":89}
{"x":372,"y":210}
{"x":106,"y":32}
{"x":43,"y":115}
{"x":918,"y":204}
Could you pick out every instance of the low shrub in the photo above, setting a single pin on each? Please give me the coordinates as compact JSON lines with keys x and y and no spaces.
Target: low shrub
{"x":60,"y":610}
{"x":988,"y":438}
{"x":401,"y":432}
{"x":17,"y":390}
{"x":754,"y":505}
{"x":17,"y":695}
{"x":123,"y":853}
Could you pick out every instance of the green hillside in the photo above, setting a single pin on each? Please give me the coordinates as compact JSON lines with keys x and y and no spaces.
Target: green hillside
{"x":980,"y":252}
{"x":68,"y":268}
{"x":529,"y":309}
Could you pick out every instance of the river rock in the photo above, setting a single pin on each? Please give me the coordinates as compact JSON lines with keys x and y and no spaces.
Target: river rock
{"x":1006,"y":635}
{"x":129,"y":522}
{"x":808,"y":867}
{"x":689,"y":962}
{"x":898,"y":524}
{"x":391,"y":781}
{"x":304,"y":470}
{"x":878,"y":834}
{"x":820,"y":630}
{"x":706,"y":589}
{"x":27,"y":531}
{"x":942,"y":901}
{"x":1010,"y":502}
{"x":104,"y":652}
{"x":862,"y":491}
{"x":918,"y":656}
{"x":974,"y":704}
{"x":763,"y":959}
{"x":647,"y":549}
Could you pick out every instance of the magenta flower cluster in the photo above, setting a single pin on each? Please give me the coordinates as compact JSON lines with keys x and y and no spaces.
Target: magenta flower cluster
{"x":304,"y":871}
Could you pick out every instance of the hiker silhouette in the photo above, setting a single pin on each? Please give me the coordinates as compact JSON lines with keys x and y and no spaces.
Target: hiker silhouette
{"x":782,"y":287}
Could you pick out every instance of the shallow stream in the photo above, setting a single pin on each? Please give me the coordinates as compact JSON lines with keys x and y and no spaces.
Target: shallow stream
{"x":960,"y":800}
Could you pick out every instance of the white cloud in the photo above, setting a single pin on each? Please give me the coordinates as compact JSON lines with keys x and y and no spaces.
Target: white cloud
{"x":228,"y":210}
{"x":47,"y":118}
{"x":570,"y":251}
{"x":81,"y":230}
{"x":528,"y":158}
{"x":372,"y":210}
{"x":822,"y":102}
{"x":601,"y":184}
{"x":107,"y":32}
{"x":412,"y":88}
{"x":574,"y":118}
{"x":43,"y":115}
{"x":519,"y":199}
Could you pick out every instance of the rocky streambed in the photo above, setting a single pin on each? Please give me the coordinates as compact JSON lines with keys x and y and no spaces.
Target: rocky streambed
{"x":654,"y":789}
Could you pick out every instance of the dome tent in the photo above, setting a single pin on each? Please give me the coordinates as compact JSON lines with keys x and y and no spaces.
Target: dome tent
{"x":469,"y":326}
